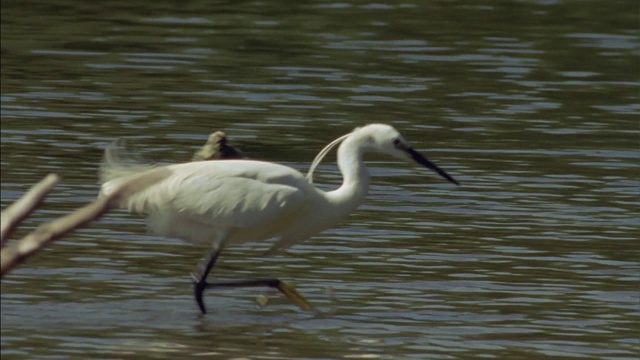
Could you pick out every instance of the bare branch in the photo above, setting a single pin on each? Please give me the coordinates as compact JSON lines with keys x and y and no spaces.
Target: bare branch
{"x":20,"y":209}
{"x":17,"y":252}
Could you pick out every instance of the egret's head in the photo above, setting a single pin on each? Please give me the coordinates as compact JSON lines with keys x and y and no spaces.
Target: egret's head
{"x":385,"y":139}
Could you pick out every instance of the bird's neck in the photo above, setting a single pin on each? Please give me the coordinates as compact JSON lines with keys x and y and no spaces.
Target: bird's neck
{"x":355,"y":183}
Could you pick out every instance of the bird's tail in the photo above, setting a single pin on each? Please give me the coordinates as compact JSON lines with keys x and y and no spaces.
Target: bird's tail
{"x":120,"y":163}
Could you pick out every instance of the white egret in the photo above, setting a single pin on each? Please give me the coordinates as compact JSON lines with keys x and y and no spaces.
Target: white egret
{"x":222,"y":203}
{"x":216,"y":148}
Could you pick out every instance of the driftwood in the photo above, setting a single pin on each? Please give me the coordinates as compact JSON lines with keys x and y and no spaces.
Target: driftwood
{"x":18,"y":251}
{"x":19,"y":210}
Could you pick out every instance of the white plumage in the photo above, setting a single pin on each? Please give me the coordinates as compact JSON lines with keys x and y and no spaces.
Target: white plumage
{"x":235,"y":201}
{"x":250,"y":200}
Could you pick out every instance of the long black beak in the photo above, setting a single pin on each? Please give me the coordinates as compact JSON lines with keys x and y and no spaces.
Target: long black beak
{"x":428,"y":164}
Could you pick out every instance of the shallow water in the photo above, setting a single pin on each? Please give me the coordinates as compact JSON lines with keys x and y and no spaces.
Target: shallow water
{"x":532,"y":106}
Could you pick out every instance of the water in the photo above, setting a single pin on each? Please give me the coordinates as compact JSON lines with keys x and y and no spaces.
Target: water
{"x":532,"y":105}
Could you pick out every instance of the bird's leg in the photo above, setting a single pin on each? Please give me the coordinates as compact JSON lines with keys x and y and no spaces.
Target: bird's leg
{"x":287,"y":290}
{"x":200,"y":276}
{"x":200,"y":283}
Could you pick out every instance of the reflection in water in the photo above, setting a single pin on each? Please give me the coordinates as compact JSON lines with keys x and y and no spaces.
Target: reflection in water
{"x":534,"y":255}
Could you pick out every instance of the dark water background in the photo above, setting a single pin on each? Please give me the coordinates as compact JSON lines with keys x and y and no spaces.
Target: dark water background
{"x":532,"y":105}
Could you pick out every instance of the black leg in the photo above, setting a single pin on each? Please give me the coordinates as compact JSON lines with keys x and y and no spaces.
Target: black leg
{"x":200,"y":277}
{"x":288,"y":291}
{"x":270,"y":282}
{"x":200,"y":283}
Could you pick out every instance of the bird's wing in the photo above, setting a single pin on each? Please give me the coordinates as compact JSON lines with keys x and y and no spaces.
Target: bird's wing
{"x":236,"y":201}
{"x":232,"y":198}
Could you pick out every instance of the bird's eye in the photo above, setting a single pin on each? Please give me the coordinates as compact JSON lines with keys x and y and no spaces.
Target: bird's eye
{"x":397,"y":142}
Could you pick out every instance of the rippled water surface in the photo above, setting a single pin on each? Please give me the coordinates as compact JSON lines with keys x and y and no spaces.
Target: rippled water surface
{"x":532,"y":105}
